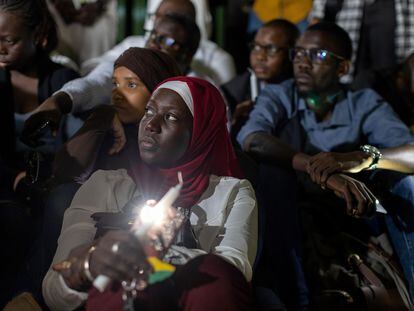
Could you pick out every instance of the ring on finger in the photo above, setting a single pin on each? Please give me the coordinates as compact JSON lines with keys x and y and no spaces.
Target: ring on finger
{"x":66,"y":264}
{"x":139,"y":269}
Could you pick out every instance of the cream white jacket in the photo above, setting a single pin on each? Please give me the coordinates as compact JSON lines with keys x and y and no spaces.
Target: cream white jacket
{"x":224,"y":221}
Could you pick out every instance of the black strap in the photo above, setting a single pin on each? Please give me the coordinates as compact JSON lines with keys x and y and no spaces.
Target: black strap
{"x":7,"y":133}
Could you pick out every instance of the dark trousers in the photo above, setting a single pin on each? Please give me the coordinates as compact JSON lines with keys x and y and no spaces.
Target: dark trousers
{"x":396,"y":192}
{"x":205,"y":283}
{"x":15,"y":228}
{"x":376,"y":48}
{"x":57,"y":202}
{"x":41,"y":242}
{"x":279,"y":269}
{"x":280,"y":266}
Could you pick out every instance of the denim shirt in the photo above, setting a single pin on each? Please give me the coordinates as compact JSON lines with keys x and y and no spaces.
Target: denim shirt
{"x":361,"y":117}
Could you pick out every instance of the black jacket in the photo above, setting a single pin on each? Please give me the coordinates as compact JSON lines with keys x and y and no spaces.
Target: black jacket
{"x":52,"y":77}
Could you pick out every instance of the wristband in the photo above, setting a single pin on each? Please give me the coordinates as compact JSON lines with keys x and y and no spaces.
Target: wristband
{"x":374,"y":153}
{"x":86,"y":272}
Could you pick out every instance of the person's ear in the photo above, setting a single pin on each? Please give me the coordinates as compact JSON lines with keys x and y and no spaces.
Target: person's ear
{"x":343,"y":68}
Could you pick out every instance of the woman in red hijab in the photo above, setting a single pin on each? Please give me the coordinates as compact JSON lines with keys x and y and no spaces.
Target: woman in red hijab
{"x":208,"y":151}
{"x":183,"y":129}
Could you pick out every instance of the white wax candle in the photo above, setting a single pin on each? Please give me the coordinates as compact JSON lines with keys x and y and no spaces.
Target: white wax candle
{"x":254,"y":89}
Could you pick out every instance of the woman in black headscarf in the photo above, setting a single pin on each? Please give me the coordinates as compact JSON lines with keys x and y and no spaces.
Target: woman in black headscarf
{"x":108,"y":137}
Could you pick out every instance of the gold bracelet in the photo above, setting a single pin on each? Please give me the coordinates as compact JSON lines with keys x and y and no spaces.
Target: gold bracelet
{"x":86,"y":272}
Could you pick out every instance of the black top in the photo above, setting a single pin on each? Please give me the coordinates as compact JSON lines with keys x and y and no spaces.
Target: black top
{"x":87,"y":150}
{"x":52,"y":77}
{"x":237,"y":90}
{"x":383,"y":81}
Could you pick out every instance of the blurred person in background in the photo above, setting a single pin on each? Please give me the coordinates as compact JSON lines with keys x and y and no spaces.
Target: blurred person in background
{"x":86,"y":29}
{"x":269,"y":63}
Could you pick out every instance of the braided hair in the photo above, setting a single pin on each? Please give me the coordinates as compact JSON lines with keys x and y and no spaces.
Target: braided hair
{"x":36,"y":17}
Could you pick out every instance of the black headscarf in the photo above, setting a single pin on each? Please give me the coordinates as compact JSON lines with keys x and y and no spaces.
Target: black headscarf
{"x":151,"y":66}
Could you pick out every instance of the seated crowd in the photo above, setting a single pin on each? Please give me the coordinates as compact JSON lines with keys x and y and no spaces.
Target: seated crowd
{"x":162,"y":181}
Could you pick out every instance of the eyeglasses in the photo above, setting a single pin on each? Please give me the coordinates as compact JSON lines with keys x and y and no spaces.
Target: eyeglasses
{"x":269,"y":49}
{"x":316,"y":56}
{"x":162,"y":41}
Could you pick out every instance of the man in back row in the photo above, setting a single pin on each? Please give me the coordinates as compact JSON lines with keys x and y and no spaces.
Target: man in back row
{"x":314,"y":125}
{"x":269,"y":62}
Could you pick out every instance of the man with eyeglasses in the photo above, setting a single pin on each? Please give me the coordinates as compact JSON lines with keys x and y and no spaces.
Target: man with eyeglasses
{"x":179,"y":37}
{"x":326,"y":133}
{"x":269,"y":62}
{"x":210,"y":59}
{"x":202,"y":17}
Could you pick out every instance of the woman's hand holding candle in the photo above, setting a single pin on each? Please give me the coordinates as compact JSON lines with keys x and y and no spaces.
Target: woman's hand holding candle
{"x":123,"y":262}
{"x":154,"y":219}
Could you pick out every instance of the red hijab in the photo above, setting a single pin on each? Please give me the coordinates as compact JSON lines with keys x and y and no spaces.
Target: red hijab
{"x":210,"y":150}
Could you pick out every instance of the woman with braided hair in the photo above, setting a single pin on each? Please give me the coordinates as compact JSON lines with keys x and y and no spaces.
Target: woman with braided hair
{"x":27,"y":78}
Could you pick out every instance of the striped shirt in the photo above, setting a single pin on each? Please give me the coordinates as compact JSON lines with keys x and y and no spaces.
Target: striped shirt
{"x":350,"y":18}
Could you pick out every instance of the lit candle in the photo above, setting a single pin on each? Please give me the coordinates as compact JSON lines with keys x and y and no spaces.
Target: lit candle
{"x":148,"y":216}
{"x":254,"y":89}
{"x":379,"y":208}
